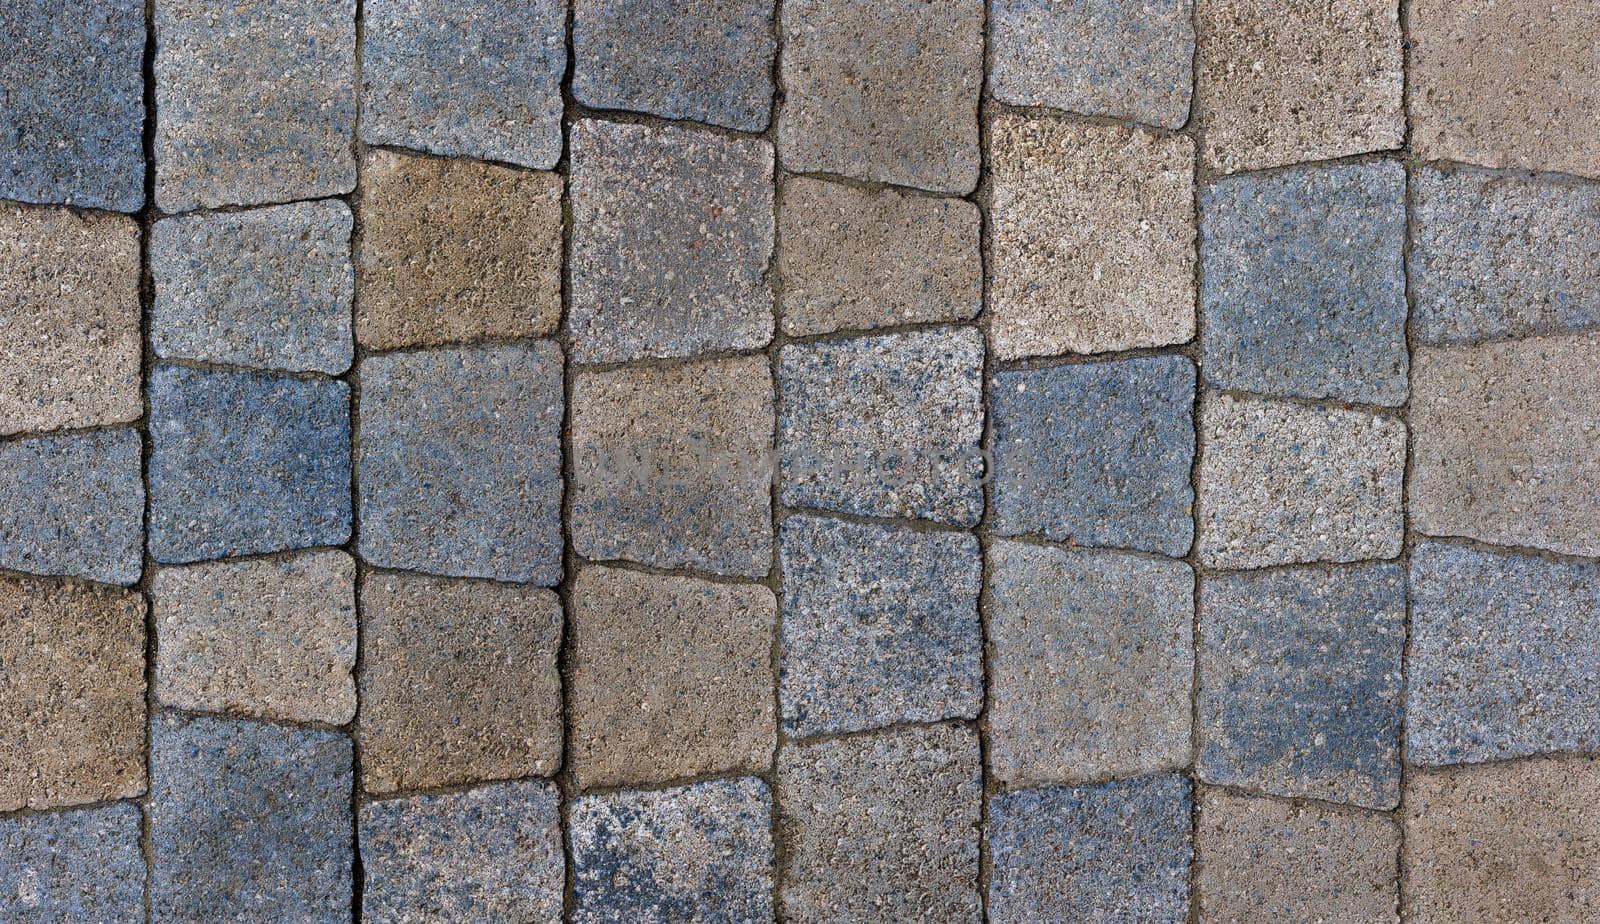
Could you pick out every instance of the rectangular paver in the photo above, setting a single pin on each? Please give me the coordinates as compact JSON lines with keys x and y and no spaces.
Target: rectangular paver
{"x":73,"y":867}
{"x":73,"y":505}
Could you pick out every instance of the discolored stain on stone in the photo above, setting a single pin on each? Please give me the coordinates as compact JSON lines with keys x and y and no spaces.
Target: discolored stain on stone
{"x":73,"y":505}
{"x":72,"y":867}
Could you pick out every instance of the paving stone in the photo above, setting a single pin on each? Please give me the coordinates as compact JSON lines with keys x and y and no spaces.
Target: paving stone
{"x":73,"y":505}
{"x":1282,"y":83}
{"x":1097,"y":454}
{"x":69,"y":335}
{"x":71,"y":694}
{"x":885,"y":426}
{"x":1505,"y":456}
{"x":245,"y":462}
{"x":268,"y":288}
{"x":257,"y":101}
{"x":460,"y":467}
{"x":672,"y":467}
{"x":669,"y":677}
{"x":855,"y":258}
{"x":490,"y":854}
{"x":1282,"y":483}
{"x":881,"y":826}
{"x":880,"y":625}
{"x":883,"y":91}
{"x":268,"y":638}
{"x":70,"y":867}
{"x":672,"y":234}
{"x":1300,"y":682}
{"x":1091,"y":662}
{"x":73,"y":118}
{"x":248,"y":822}
{"x":1103,"y":58}
{"x":695,"y":853}
{"x":459,"y":682}
{"x":1092,"y":237}
{"x":1113,"y":852}
{"x":1304,"y":284}
{"x":465,"y":78}
{"x":706,"y":61}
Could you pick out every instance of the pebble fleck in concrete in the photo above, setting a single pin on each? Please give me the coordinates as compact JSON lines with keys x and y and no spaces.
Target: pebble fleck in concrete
{"x":73,"y":867}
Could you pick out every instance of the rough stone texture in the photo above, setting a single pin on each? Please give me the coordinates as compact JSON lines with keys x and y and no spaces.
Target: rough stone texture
{"x":881,"y":826}
{"x":1097,"y":454}
{"x":249,"y":822}
{"x":1304,"y":284}
{"x":453,"y":250}
{"x":244,"y":462}
{"x":71,"y":694}
{"x":694,"y":853}
{"x":1506,"y":84}
{"x":491,"y":854}
{"x":73,"y":113}
{"x":1101,"y":57}
{"x":1302,"y":80}
{"x":69,"y":334}
{"x":1113,"y":852}
{"x":880,"y":625}
{"x":1500,"y":254}
{"x":256,"y":101}
{"x":268,"y":288}
{"x":1092,"y":237}
{"x":672,"y":233}
{"x":1282,"y":483}
{"x":705,"y":60}
{"x":670,"y":677}
{"x":1270,"y":860}
{"x":1505,"y":650}
{"x":460,"y":465}
{"x":1300,"y":682}
{"x":1507,"y":456}
{"x":1503,"y":842}
{"x":465,"y":78}
{"x":73,"y":505}
{"x":458,"y":682}
{"x":1090,"y":664}
{"x":883,"y":91}
{"x":270,"y":638}
{"x":672,"y":467}
{"x":854,"y":259}
{"x":72,"y":867}
{"x":885,"y":426}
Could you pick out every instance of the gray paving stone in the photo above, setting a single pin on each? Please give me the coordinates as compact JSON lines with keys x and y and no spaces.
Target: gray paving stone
{"x":73,"y":505}
{"x":73,"y":867}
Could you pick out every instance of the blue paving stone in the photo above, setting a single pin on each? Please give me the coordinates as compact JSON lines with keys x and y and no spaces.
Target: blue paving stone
{"x":245,"y":462}
{"x":1504,"y":658}
{"x":72,"y":867}
{"x":73,"y":505}
{"x":460,"y":468}
{"x":465,"y":78}
{"x":1113,"y":852}
{"x":1300,"y":682}
{"x":1302,"y":289}
{"x":1097,"y":453}
{"x":248,"y":822}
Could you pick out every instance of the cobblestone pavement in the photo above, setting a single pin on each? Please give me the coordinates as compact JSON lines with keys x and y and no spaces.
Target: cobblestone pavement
{"x":814,"y":460}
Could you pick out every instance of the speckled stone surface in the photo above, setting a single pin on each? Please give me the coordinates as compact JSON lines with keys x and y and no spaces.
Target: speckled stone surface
{"x":73,"y":505}
{"x":268,"y":288}
{"x":72,"y":867}
{"x":1096,"y":454}
{"x":1113,"y":852}
{"x":880,"y":625}
{"x":694,"y":853}
{"x":460,"y":461}
{"x":1303,"y":288}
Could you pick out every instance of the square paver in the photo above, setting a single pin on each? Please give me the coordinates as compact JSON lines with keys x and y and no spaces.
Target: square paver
{"x":669,"y":677}
{"x":1304,"y":283}
{"x":1097,"y":454}
{"x":69,"y":867}
{"x":1092,"y":241}
{"x":1091,"y":662}
{"x":885,"y":426}
{"x":73,"y":505}
{"x":460,"y":462}
{"x":883,"y":91}
{"x":672,"y":234}
{"x":672,"y":466}
{"x":880,"y":625}
{"x":1300,"y":682}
